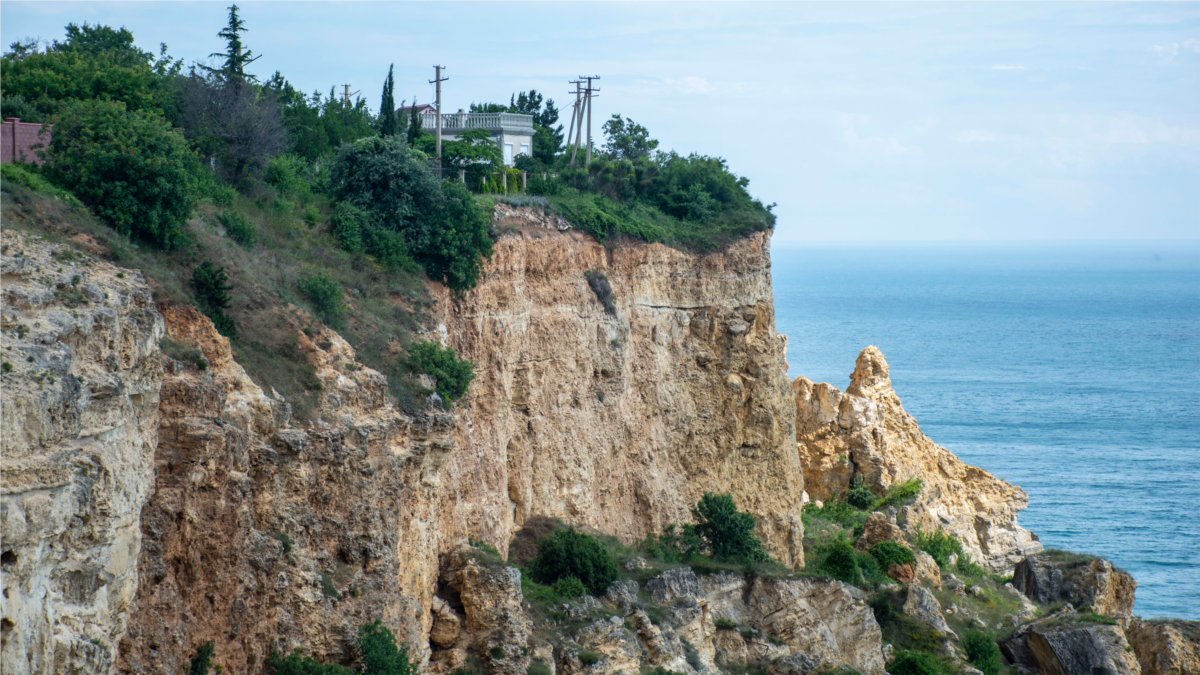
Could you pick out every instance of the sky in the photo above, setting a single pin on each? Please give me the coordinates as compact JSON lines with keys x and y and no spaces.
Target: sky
{"x":861,"y":122}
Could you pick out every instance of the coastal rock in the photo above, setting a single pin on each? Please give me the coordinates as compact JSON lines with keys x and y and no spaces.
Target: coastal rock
{"x":680,"y":582}
{"x":1084,"y":581}
{"x":865,"y":431}
{"x":927,"y":569}
{"x":821,"y":618}
{"x":879,"y":528}
{"x":81,"y":385}
{"x":617,"y":648}
{"x":1043,"y":647}
{"x":1165,"y":647}
{"x":922,"y":606}
{"x":493,"y":615}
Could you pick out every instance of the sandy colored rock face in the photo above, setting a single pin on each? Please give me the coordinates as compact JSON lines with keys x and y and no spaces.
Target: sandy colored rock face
{"x":621,"y":421}
{"x":865,"y":431}
{"x":1083,"y":581}
{"x":261,"y":535}
{"x":1166,"y":647}
{"x":79,"y":427}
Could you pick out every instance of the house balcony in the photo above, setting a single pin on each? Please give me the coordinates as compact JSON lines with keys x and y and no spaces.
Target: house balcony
{"x":496,"y":123}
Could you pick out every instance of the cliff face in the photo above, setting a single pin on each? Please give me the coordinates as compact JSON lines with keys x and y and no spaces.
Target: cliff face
{"x":261,"y":535}
{"x":865,"y":431}
{"x":621,"y":419}
{"x":80,"y":421}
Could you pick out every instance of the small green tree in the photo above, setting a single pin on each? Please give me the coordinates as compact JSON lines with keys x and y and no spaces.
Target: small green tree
{"x":236,"y":60}
{"x":840,"y":562}
{"x":380,"y":655}
{"x":295,"y":664}
{"x":982,"y":651}
{"x":457,"y":247}
{"x":888,"y":553}
{"x":136,"y":174}
{"x":210,"y":285}
{"x":387,"y":106}
{"x":627,"y":139}
{"x":453,"y":375}
{"x":725,"y":532}
{"x":569,"y":553}
{"x":201,"y":662}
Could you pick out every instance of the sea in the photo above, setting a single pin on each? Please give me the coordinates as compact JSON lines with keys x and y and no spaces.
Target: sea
{"x":1069,"y":369}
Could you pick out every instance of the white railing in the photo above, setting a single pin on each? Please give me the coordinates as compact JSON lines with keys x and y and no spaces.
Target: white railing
{"x":455,"y":122}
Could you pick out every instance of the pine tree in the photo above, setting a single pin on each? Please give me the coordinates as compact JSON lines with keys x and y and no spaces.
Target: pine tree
{"x":387,"y":107}
{"x":235,"y":60}
{"x":414,"y":123}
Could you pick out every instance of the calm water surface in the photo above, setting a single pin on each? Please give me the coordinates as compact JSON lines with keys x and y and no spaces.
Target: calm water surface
{"x":1072,"y":370}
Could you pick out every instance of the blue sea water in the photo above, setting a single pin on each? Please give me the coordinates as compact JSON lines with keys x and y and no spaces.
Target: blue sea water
{"x":1071,"y":370}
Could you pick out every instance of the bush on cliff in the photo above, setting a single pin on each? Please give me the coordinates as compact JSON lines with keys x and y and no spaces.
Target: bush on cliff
{"x":570,"y":553}
{"x":726,"y":533}
{"x":919,"y":663}
{"x":982,"y":651}
{"x":211,"y":287}
{"x":888,"y":553}
{"x":940,"y":545}
{"x":379,"y":653}
{"x":452,"y":374}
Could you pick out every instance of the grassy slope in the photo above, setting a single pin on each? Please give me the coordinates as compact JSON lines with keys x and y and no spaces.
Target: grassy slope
{"x":383,"y":309}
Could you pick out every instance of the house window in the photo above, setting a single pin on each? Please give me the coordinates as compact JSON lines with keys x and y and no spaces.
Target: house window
{"x":524,"y":148}
{"x":508,"y":157}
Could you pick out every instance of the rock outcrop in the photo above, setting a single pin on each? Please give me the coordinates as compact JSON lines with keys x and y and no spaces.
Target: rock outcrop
{"x":1084,"y":581}
{"x":80,"y":381}
{"x":865,"y":432}
{"x":1165,"y":647}
{"x":620,"y":419}
{"x":261,"y":535}
{"x":1061,"y":643}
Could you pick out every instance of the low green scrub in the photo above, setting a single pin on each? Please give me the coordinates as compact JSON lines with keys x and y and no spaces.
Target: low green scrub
{"x":377,"y":650}
{"x":570,"y":553}
{"x":210,"y":286}
{"x":888,"y":553}
{"x":920,"y":663}
{"x":589,"y":658}
{"x":940,"y":545}
{"x":183,"y":352}
{"x":726,"y":533}
{"x":982,"y":651}
{"x":899,"y":494}
{"x":238,"y":228}
{"x":569,"y":588}
{"x":27,"y":175}
{"x":324,"y":295}
{"x":452,"y":374}
{"x":860,"y":496}
{"x":723,"y":623}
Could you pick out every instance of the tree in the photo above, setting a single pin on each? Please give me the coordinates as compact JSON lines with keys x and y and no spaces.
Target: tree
{"x":474,"y":150}
{"x":626,"y":139}
{"x":413,"y":131}
{"x":210,"y":286}
{"x":236,"y":60}
{"x":200,"y":663}
{"x":392,"y":182}
{"x":487,"y":108}
{"x":380,"y":655}
{"x":387,"y":106}
{"x":725,"y":532}
{"x":232,"y":119}
{"x":97,"y":40}
{"x":457,"y":246}
{"x":136,"y":174}
{"x":568,"y":553}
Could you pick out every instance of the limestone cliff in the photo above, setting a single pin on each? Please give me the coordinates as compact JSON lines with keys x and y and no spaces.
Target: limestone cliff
{"x":80,"y":420}
{"x":620,"y":419}
{"x":865,"y":432}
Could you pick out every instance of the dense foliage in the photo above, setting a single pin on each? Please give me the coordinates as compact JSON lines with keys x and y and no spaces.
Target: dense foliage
{"x":128,"y":166}
{"x":210,"y":286}
{"x":726,"y":533}
{"x":324,"y":294}
{"x":379,"y":653}
{"x":888,"y":553}
{"x":202,"y":661}
{"x":940,"y":545}
{"x":982,"y":651}
{"x":569,"y":553}
{"x":452,"y":374}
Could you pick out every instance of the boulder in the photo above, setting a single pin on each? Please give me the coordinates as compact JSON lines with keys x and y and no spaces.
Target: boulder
{"x":618,"y":649}
{"x":494,"y":618}
{"x":1166,"y":647}
{"x":730,"y":648}
{"x":622,"y":594}
{"x":821,"y":618}
{"x":922,"y":606}
{"x":905,"y":574}
{"x":1084,"y":581}
{"x":1066,"y":643}
{"x":928,"y":570}
{"x":879,"y":528}
{"x":680,"y":582}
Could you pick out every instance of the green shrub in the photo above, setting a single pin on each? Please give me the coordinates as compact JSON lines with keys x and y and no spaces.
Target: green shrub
{"x":295,"y":664}
{"x":482,"y":546}
{"x":538,"y":668}
{"x":726,"y":533}
{"x":602,"y":289}
{"x":348,"y":223}
{"x":379,"y":652}
{"x":868,"y":569}
{"x":569,"y":587}
{"x":238,"y":228}
{"x":569,"y":553}
{"x":900,"y":493}
{"x":840,"y":562}
{"x":183,"y":352}
{"x":28,"y":176}
{"x":919,"y":663}
{"x":201,"y":662}
{"x":221,"y":195}
{"x":325,"y":295}
{"x":453,"y":375}
{"x":723,"y":623}
{"x":210,"y":286}
{"x":939,"y":545}
{"x":675,"y":546}
{"x":982,"y":651}
{"x":454,"y":250}
{"x":589,"y":658}
{"x":888,"y":553}
{"x":136,"y":174}
{"x":860,"y":496}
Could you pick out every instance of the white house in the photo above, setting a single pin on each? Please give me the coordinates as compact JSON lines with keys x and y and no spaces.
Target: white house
{"x":513,"y":131}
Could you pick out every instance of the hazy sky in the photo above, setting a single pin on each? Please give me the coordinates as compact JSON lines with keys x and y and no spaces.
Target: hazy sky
{"x":885,"y":121}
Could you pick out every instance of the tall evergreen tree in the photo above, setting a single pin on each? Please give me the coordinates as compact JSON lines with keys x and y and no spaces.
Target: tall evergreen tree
{"x":236,"y":60}
{"x":414,"y":123}
{"x":387,"y":107}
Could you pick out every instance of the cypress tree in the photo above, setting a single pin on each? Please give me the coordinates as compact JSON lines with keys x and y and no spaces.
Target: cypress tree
{"x":387,"y":107}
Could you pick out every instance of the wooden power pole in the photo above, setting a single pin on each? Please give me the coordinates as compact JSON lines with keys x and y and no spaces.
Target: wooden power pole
{"x":438,"y":80}
{"x":346,"y":93}
{"x":576,"y":119}
{"x":590,"y":95}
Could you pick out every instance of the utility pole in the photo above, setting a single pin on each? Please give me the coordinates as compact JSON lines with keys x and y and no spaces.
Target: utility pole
{"x":576,"y":121}
{"x":590,"y":95}
{"x":574,"y":112}
{"x":346,"y":93}
{"x":438,"y":80}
